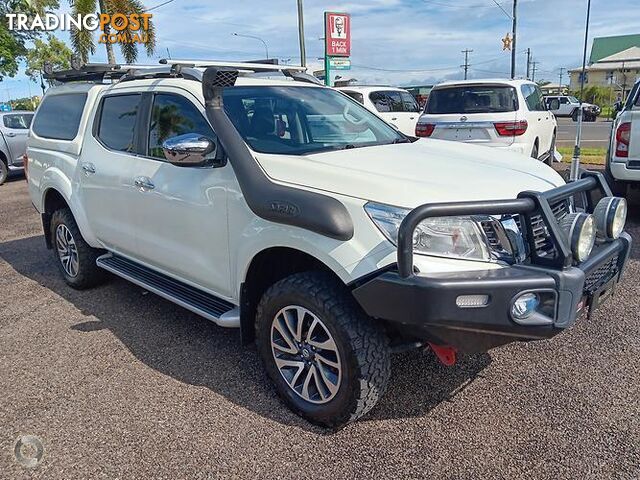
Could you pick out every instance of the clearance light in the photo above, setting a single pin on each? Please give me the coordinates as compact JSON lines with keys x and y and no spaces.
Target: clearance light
{"x":472,"y":301}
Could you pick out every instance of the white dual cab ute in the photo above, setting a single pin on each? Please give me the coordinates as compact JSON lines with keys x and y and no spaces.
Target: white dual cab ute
{"x":287,"y":209}
{"x":395,"y":105}
{"x":623,"y":158}
{"x":507,"y":114}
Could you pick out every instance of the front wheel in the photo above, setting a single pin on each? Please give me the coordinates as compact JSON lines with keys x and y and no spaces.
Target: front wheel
{"x":4,"y":172}
{"x":552,"y":151}
{"x":329,"y":362}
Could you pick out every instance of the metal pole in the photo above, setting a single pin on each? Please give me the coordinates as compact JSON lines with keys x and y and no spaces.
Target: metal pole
{"x":513,"y":43}
{"x":466,"y":61}
{"x":528,"y":63}
{"x":303,"y":54}
{"x":534,"y":67}
{"x":560,"y":84}
{"x":575,"y":163}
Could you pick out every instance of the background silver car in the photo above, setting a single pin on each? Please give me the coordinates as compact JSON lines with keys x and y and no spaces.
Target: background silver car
{"x":14,"y":128}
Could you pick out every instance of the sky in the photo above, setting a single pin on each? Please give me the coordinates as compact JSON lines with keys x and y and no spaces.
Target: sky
{"x":395,"y":42}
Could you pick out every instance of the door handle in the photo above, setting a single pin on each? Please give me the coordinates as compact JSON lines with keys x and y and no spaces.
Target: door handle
{"x":11,"y":134}
{"x":88,"y":168}
{"x":143,"y":183}
{"x":394,"y":118}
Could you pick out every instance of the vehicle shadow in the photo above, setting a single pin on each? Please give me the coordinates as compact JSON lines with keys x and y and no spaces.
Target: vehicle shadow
{"x":192,"y":350}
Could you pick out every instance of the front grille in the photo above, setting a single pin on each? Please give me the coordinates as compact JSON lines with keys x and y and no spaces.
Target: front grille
{"x":601,"y":275}
{"x":542,"y":240}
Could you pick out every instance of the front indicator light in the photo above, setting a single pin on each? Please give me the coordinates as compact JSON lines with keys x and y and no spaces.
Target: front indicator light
{"x":525,"y":305}
{"x":610,"y":216}
{"x":580,"y":229}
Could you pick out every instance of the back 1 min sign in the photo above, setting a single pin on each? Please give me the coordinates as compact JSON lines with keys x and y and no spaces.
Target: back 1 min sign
{"x":337,"y":34}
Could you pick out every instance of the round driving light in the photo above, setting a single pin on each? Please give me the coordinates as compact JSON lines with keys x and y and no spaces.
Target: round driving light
{"x":610,"y":216}
{"x":580,"y":229}
{"x":525,"y":305}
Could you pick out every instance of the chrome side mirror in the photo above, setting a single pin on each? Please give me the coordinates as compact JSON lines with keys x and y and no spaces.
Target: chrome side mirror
{"x":189,"y":150}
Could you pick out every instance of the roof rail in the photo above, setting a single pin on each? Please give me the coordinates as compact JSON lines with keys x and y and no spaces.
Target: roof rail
{"x":242,"y":66}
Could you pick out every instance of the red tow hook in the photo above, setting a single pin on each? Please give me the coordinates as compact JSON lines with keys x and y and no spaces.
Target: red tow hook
{"x":445,"y":353}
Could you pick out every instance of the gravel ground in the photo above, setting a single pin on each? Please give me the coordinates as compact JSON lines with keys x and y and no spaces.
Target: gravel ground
{"x":122,"y":384}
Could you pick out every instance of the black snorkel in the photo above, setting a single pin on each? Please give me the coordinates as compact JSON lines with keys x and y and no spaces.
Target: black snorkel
{"x":271,"y":201}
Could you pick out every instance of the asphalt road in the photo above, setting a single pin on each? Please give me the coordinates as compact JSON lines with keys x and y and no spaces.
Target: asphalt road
{"x":594,"y":134}
{"x":118,"y":383}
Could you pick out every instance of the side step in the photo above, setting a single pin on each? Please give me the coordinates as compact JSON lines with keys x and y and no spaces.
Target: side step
{"x":209,"y":306}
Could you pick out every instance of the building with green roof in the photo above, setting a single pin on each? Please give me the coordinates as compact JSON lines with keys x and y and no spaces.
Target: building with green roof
{"x":606,"y":46}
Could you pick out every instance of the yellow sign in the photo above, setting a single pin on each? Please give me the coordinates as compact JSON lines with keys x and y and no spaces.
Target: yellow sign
{"x":506,"y":42}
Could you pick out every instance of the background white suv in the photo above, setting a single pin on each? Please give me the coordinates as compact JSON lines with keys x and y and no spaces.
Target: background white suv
{"x":568,"y":106}
{"x":508,"y":114}
{"x":395,"y":105}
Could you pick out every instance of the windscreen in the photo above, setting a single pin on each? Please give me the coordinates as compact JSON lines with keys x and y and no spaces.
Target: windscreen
{"x":302,"y":120}
{"x":472,"y":99}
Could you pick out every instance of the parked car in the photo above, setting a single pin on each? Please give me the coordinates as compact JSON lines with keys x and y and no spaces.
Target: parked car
{"x":623,"y":157}
{"x":569,"y":106}
{"x":395,"y":105}
{"x":506,"y":114}
{"x":14,"y":128}
{"x":289,"y":210}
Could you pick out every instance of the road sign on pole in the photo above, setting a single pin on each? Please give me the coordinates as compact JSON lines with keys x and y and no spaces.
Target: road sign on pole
{"x":337,"y":42}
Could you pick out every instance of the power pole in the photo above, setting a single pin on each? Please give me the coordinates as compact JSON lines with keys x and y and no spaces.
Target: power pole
{"x":534,"y":67}
{"x":303,"y":54}
{"x":466,"y":61}
{"x":562,"y":69}
{"x":528,"y":62}
{"x":513,"y":41}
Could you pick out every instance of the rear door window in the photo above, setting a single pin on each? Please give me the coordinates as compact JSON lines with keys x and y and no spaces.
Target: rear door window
{"x":472,"y":99}
{"x":17,"y":121}
{"x":117,"y":127}
{"x":409,"y":102}
{"x":58,"y":116}
{"x":533,"y":98}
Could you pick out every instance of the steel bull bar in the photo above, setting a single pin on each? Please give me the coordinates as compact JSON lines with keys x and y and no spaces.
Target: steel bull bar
{"x":425,"y":306}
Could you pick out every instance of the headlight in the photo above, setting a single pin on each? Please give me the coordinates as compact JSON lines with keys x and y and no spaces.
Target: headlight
{"x":580,"y":229}
{"x":610,"y":215}
{"x":459,"y":237}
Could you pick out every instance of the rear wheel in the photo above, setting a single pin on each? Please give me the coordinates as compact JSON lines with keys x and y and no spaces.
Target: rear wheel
{"x":574,"y":115}
{"x":329,"y":362}
{"x":76,"y":260}
{"x":4,"y":172}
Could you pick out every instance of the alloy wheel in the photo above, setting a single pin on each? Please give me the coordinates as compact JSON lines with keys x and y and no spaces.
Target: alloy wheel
{"x":67,"y":250}
{"x":306,"y":354}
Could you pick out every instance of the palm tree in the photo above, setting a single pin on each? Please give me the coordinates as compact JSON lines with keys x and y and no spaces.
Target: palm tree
{"x":83,"y":42}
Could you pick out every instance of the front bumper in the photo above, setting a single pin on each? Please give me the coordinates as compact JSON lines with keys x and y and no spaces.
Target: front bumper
{"x":426,"y":306}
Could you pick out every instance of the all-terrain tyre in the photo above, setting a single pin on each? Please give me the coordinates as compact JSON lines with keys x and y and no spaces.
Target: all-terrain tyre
{"x":4,"y":171}
{"x":75,"y":259}
{"x":328,"y":361}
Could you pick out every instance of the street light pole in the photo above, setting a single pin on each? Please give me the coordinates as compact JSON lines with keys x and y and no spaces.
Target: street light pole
{"x":575,"y":162}
{"x":303,"y":54}
{"x":513,"y":41}
{"x":266,"y":48}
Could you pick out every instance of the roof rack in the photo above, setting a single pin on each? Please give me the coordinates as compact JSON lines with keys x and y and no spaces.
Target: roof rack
{"x":240,"y":66}
{"x":94,"y":72}
{"x":170,"y":68}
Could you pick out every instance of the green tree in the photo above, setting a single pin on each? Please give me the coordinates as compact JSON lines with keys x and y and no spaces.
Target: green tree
{"x":83,"y":41}
{"x":51,"y":51}
{"x":27,"y":103}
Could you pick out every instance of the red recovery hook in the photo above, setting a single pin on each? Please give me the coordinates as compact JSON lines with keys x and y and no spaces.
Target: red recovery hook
{"x":445,"y":353}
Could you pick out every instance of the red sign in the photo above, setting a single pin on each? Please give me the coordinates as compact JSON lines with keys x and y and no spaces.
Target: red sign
{"x":337,"y":34}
